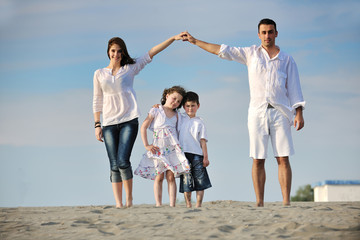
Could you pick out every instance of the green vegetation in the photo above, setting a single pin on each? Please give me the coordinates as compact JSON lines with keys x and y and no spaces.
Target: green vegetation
{"x":304,"y":194}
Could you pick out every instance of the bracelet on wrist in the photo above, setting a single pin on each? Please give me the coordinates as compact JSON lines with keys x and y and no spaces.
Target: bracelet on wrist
{"x":98,"y":126}
{"x":97,"y":123}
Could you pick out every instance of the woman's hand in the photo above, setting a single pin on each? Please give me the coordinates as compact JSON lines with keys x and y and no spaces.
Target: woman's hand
{"x":179,"y":36}
{"x":99,"y":134}
{"x":186,"y":36}
{"x":153,"y":149}
{"x":160,"y":47}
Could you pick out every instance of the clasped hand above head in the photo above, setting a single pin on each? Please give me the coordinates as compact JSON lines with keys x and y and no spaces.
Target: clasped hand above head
{"x":186,"y":36}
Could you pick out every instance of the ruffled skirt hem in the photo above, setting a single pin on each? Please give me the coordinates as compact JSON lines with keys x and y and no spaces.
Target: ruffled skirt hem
{"x":152,"y":165}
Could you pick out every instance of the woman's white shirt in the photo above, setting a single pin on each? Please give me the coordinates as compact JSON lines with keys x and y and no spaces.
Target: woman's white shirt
{"x":114,"y":96}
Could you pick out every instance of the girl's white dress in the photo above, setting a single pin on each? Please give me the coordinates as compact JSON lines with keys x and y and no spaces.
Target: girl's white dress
{"x":171,"y":156}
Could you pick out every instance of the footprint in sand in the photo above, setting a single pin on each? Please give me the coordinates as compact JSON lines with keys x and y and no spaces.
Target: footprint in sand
{"x":49,"y":223}
{"x":226,"y":228}
{"x":97,"y":211}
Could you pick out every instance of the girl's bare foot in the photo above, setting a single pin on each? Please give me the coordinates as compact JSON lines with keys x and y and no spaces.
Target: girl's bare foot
{"x":286,"y":203}
{"x":129,"y":203}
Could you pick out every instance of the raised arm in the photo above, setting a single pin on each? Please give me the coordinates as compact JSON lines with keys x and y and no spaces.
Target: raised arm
{"x":209,"y":47}
{"x":158,"y":48}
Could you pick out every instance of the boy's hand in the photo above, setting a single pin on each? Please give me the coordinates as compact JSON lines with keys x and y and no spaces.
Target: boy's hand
{"x":206,"y":162}
{"x":156,"y":105}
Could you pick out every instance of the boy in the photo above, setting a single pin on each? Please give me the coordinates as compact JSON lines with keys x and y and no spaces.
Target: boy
{"x":193,"y":138}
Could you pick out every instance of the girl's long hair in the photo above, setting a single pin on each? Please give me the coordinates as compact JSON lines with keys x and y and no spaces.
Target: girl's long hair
{"x":178,"y":89}
{"x":125,"y":57}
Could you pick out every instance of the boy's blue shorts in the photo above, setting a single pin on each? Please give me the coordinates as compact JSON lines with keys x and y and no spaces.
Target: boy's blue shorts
{"x":197,"y":179}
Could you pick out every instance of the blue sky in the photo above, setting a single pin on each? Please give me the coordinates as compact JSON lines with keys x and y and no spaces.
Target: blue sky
{"x":49,"y":51}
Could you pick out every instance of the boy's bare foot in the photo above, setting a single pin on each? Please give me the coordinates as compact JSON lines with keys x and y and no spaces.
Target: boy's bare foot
{"x":187,"y":196}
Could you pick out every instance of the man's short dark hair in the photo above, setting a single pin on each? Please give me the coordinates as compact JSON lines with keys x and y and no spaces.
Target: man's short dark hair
{"x":191,"y":97}
{"x":267,"y":21}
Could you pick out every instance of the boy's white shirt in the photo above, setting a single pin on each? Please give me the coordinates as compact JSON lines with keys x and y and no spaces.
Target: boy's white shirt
{"x":191,"y":130}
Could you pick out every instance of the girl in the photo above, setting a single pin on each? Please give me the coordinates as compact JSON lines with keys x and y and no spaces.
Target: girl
{"x":115,"y":98}
{"x":165,"y":154}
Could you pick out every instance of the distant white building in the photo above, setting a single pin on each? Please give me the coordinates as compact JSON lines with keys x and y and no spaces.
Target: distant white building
{"x":337,"y":191}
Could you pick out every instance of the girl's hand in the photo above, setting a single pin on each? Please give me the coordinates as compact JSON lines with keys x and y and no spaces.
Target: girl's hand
{"x":99,"y":134}
{"x":153,"y":149}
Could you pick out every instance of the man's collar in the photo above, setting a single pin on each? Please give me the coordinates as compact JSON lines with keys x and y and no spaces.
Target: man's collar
{"x":280,"y":55}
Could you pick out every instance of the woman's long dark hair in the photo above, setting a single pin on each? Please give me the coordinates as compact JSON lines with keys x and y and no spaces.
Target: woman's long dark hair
{"x":125,"y":57}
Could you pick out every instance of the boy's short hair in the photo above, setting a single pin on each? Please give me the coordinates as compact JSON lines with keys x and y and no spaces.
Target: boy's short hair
{"x":191,"y":97}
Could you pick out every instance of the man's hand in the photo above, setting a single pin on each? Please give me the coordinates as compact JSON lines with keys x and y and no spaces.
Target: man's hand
{"x":299,"y":119}
{"x":187,"y":37}
{"x":209,"y":47}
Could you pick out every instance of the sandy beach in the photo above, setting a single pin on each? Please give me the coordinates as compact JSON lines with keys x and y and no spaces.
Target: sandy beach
{"x":215,"y":220}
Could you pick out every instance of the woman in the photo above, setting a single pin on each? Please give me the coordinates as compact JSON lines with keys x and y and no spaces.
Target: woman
{"x":114,"y":98}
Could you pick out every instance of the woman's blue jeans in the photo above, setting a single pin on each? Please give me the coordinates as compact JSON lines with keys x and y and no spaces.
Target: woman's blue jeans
{"x":119,"y":141}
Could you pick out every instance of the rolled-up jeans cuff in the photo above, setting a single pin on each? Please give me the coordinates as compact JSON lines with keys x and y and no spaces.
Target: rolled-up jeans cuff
{"x":126,"y":173}
{"x":115,"y":176}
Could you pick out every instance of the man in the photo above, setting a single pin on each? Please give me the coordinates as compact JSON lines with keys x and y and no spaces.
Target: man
{"x":275,"y":96}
